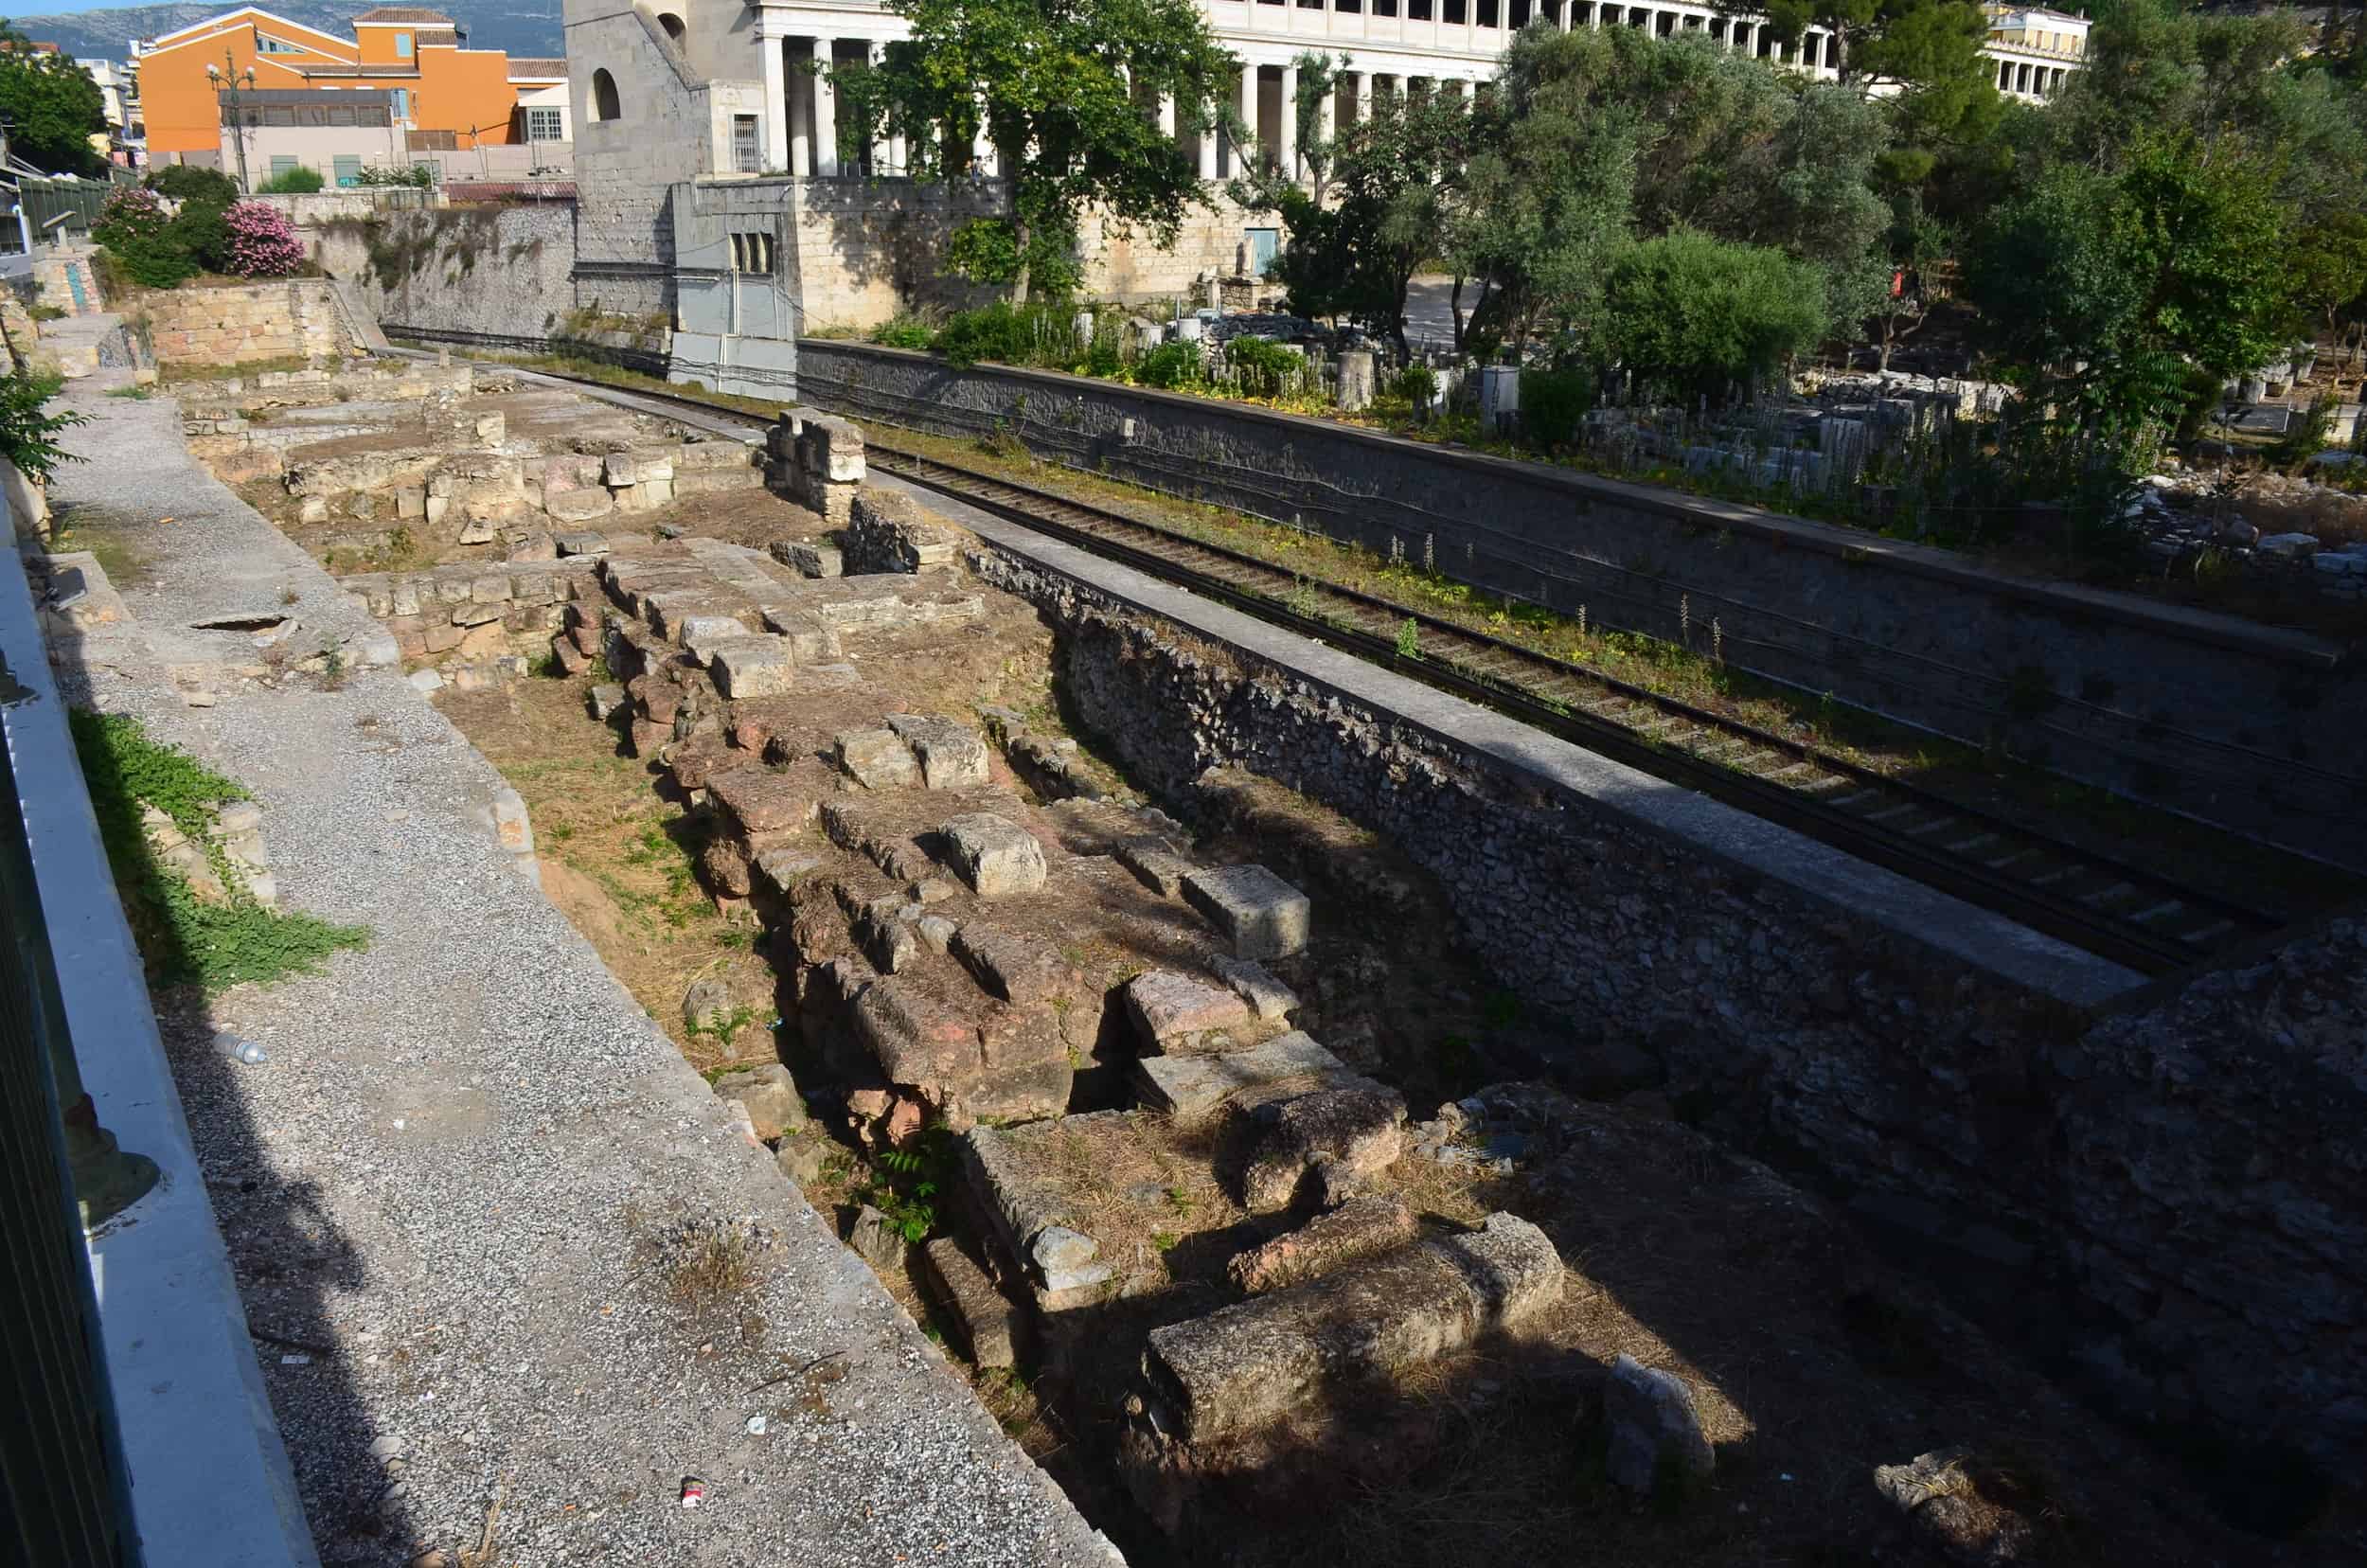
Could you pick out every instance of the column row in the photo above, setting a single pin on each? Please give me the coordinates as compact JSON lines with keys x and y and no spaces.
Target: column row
{"x":801,"y":119}
{"x":1265,"y":101}
{"x":2028,"y":79}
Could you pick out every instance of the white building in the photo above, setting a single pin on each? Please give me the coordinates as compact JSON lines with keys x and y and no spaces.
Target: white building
{"x":2036,"y":50}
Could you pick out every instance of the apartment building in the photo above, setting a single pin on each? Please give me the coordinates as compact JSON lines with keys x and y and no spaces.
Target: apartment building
{"x":441,"y":95}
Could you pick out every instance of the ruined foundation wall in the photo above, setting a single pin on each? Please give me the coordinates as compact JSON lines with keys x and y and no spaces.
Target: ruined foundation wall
{"x":297,"y":318}
{"x":2147,"y":1183}
{"x":2263,"y":729}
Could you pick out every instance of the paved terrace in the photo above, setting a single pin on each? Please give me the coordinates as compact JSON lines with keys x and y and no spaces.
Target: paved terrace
{"x":447,"y":1194}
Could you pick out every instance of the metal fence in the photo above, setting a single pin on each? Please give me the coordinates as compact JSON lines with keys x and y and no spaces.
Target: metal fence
{"x":56,"y":208}
{"x":59,"y":1499}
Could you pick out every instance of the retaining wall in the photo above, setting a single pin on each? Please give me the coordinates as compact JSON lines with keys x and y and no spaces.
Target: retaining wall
{"x":298,"y":317}
{"x":2259,"y":728}
{"x":503,"y":271}
{"x":2170,"y":1199}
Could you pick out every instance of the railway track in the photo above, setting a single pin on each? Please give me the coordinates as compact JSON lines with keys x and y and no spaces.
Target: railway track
{"x":2122,"y":911}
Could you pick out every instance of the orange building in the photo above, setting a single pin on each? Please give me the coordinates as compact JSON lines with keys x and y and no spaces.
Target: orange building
{"x":445,"y":97}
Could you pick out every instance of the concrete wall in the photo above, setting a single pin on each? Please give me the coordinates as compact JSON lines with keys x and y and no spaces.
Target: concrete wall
{"x":254,"y":321}
{"x":2260,"y":729}
{"x":2168,"y":1197}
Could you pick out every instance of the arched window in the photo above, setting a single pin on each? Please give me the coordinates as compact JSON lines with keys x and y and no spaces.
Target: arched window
{"x":604,"y":97}
{"x":673,"y":24}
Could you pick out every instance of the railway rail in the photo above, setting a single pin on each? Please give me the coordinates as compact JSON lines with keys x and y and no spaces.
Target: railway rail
{"x":2133,"y":916}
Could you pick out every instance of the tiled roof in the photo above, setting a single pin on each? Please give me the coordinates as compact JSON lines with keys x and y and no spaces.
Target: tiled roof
{"x":521,"y":68}
{"x":404,"y":14}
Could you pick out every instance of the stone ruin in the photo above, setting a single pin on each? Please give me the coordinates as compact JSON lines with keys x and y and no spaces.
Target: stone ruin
{"x":1227,"y":1242}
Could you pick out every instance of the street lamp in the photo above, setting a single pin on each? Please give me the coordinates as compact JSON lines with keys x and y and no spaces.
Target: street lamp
{"x":238,"y":121}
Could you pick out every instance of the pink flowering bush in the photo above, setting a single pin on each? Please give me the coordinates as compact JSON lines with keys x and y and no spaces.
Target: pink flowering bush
{"x":262,"y":242}
{"x":130,"y":212}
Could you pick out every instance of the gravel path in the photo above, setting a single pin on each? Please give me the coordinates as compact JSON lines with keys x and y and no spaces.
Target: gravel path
{"x":448,"y":1190}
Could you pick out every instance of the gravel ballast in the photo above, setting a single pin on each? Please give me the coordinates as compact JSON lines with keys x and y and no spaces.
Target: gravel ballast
{"x":456,"y":1192}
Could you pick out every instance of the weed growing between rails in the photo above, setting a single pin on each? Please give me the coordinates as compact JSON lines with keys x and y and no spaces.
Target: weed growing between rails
{"x":212,"y":942}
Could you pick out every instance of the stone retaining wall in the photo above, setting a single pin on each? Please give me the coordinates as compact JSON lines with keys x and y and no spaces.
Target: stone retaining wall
{"x":2262,"y":729}
{"x":295,"y":318}
{"x":2178,"y":1187}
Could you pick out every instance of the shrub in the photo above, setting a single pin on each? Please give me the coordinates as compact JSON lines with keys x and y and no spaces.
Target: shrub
{"x":28,"y":432}
{"x":1417,"y":383}
{"x":1696,"y":316}
{"x":1038,"y":332}
{"x":1169,"y":364}
{"x":129,"y":214}
{"x":298,"y":181}
{"x":1263,"y":370}
{"x":418,"y":176}
{"x":903,"y":330}
{"x":261,"y":241}
{"x":1553,"y":402}
{"x":188,"y":183}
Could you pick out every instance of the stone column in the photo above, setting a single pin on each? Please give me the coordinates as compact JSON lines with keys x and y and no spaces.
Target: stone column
{"x":1249,"y":112}
{"x":1288,"y":136}
{"x":1166,"y":116}
{"x":1364,"y":96}
{"x":800,"y":122}
{"x":774,"y":52}
{"x":825,"y":114}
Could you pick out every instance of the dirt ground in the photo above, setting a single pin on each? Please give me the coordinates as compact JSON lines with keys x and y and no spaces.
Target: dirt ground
{"x":617,"y":860}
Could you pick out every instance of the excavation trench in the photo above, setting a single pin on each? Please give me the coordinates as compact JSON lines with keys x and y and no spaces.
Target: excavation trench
{"x":1150,"y":999}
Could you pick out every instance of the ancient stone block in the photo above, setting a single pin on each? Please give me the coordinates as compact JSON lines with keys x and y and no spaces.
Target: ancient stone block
{"x":814,"y":557}
{"x":952,"y":755}
{"x":476,"y":615}
{"x":775,"y":1106}
{"x":877,"y":759}
{"x":1014,"y":967}
{"x":1188,"y":1086}
{"x":606,"y":700}
{"x":810,"y":640}
{"x":786,"y":868}
{"x":1359,"y":1229}
{"x":984,"y":1314}
{"x":1359,"y":1126}
{"x":579,"y":505}
{"x":1174,"y":1012}
{"x":998,"y":858}
{"x":1652,"y":1423}
{"x":1161,"y":869}
{"x":752,"y":667}
{"x":440,"y":637}
{"x":1263,"y":915}
{"x":490,"y":587}
{"x":763,"y":800}
{"x":1267,"y":996}
{"x":583,"y":542}
{"x":1244,"y":1366}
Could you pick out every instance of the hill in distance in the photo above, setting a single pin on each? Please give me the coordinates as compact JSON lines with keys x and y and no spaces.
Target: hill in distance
{"x":522,"y":29}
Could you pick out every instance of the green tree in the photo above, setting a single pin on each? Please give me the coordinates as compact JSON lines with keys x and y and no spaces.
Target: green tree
{"x":2114,"y":295}
{"x":1389,"y":183}
{"x":2328,"y":262}
{"x":51,"y":106}
{"x":1065,"y":90}
{"x":1699,"y":316}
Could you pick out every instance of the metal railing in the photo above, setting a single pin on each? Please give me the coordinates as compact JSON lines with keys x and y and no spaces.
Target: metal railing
{"x":61,"y":1499}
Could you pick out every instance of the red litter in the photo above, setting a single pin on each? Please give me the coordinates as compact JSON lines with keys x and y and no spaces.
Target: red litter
{"x":694,"y":1492}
